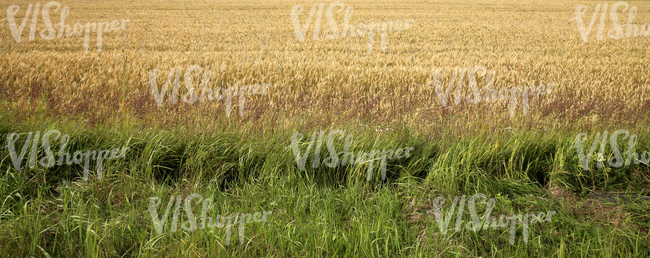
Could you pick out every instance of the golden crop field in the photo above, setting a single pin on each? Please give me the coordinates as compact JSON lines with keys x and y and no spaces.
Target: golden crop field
{"x":253,"y":42}
{"x":323,"y":82}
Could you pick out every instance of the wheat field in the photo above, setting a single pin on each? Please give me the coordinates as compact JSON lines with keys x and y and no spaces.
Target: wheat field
{"x":237,"y":150}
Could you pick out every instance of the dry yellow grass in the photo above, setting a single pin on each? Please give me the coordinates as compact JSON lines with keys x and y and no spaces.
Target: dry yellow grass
{"x":329,"y":81}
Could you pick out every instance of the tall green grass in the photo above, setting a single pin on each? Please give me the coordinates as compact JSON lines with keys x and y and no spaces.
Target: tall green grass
{"x":318,"y":212}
